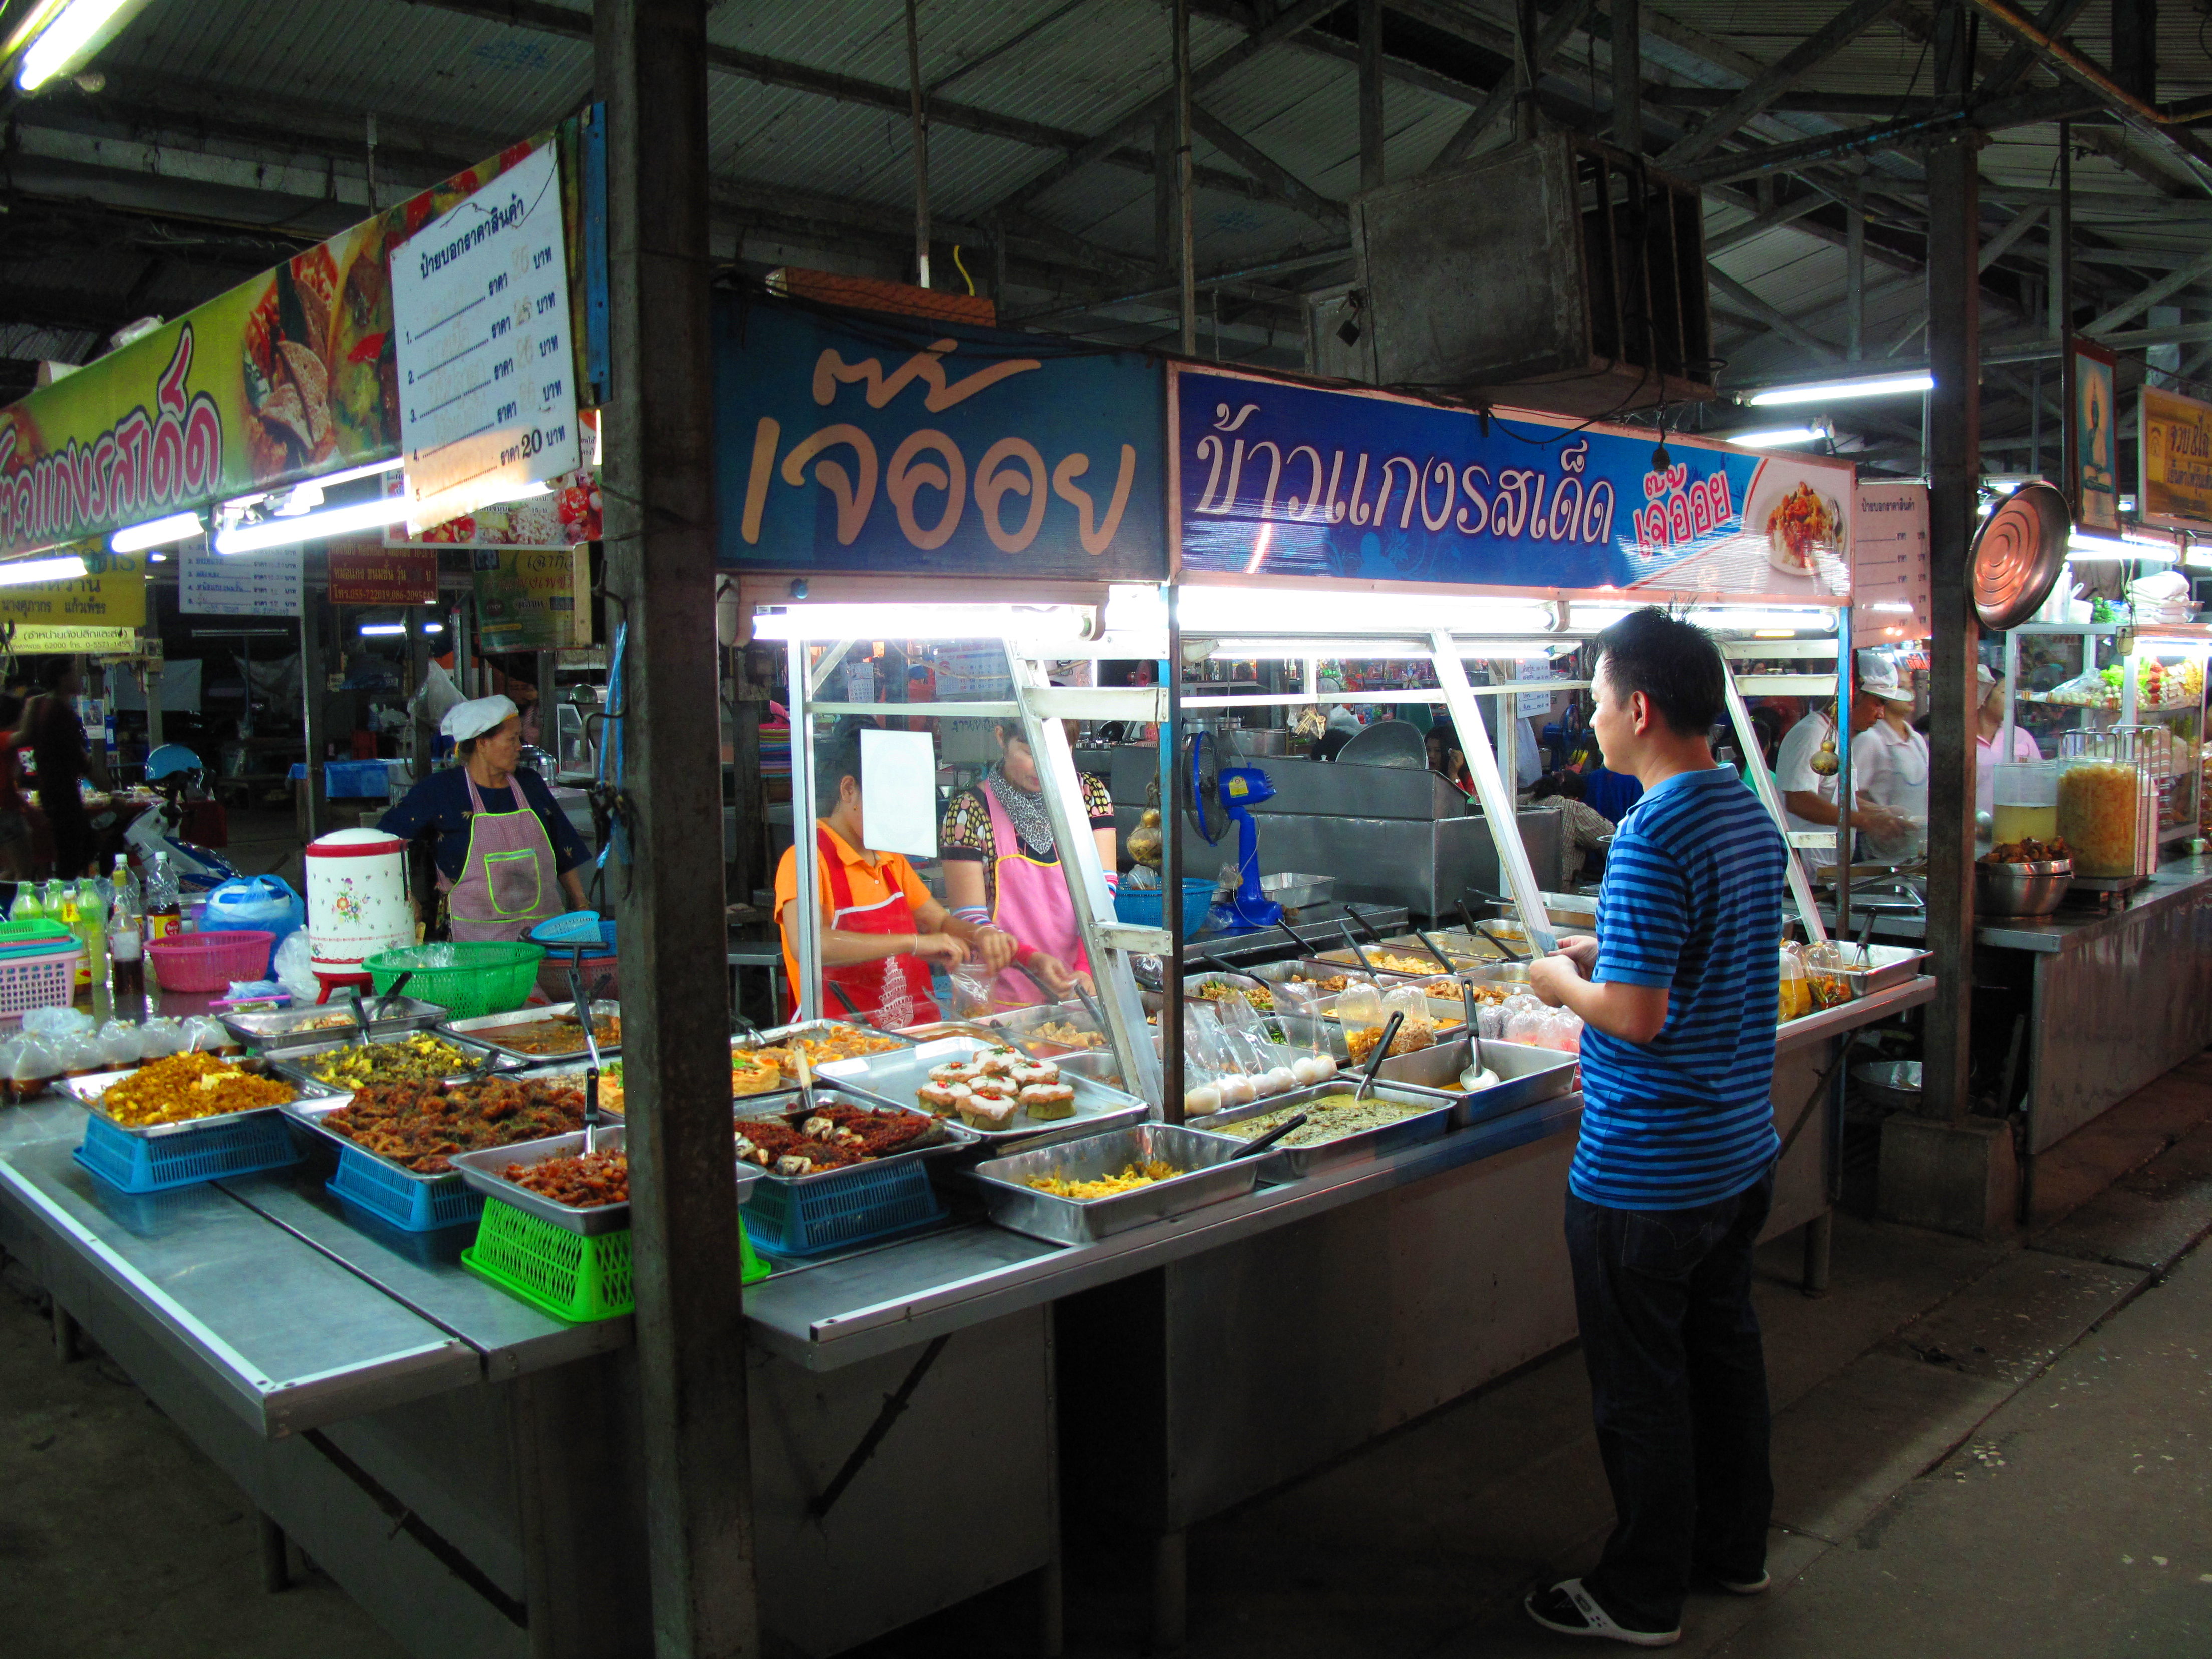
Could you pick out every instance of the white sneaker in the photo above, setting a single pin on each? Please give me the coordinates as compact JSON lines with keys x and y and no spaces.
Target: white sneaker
{"x":1570,"y":1610}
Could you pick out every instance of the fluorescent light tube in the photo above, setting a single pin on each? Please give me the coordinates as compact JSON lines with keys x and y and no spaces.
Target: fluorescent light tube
{"x":313,"y":527}
{"x":924,"y":622}
{"x":1773,"y":437}
{"x":384,"y":628}
{"x":177,"y":527}
{"x":17,"y":571}
{"x":1880,"y":385}
{"x":62,"y":42}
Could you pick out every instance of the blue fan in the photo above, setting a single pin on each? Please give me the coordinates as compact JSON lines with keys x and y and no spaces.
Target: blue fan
{"x":1217,"y":796}
{"x":571,"y":927}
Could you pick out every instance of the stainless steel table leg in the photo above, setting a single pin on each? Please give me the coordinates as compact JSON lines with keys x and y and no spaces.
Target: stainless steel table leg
{"x":276,"y":1571}
{"x":1170,"y":1592}
{"x":1819,"y":1240}
{"x":66,"y":1346}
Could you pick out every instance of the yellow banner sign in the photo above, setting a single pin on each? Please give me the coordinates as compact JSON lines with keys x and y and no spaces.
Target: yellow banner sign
{"x":113,"y":596}
{"x":36,"y":641}
{"x":532,"y":599}
{"x":2177,"y":461}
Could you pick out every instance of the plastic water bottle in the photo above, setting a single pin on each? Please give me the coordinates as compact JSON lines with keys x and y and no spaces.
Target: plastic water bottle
{"x":92,"y":926}
{"x":28,"y":906}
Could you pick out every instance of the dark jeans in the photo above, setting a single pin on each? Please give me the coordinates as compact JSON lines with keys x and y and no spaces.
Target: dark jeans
{"x":1678,"y":1385}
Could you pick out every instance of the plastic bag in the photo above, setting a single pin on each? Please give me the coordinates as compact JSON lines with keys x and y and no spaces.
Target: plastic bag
{"x":1306,"y":1033}
{"x":118,"y":1045}
{"x":35,"y":1066}
{"x":207,"y":1035}
{"x":265,"y":902}
{"x":292,"y":968}
{"x":160,"y":1037}
{"x":56,"y":1021}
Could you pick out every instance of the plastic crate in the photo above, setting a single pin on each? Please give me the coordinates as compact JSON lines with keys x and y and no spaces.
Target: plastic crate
{"x":464,"y":977}
{"x":855,"y":1207}
{"x":209,"y":962}
{"x":573,"y":1277}
{"x":411,"y":1206}
{"x":360,"y":779}
{"x":154,"y":1164}
{"x":41,"y":982}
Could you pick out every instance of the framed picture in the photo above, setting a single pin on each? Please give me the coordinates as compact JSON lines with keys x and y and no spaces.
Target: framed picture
{"x":2092,"y":442}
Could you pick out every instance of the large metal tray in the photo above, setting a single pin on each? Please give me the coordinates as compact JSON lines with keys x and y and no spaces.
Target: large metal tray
{"x":570,"y":1065}
{"x":478,"y":1029}
{"x":1451,"y":1017}
{"x":481,"y":1171}
{"x":1209,"y":1177}
{"x":1884,"y":965}
{"x":310,"y":1113}
{"x":1287,"y":1162}
{"x":1338,"y":960}
{"x":775,"y":1036}
{"x":87,"y":1091}
{"x":893,"y":1079}
{"x":287,"y":1028}
{"x":1022,"y":1025}
{"x":292,"y":1063}
{"x":1528,"y":1074}
{"x":935,"y":1142}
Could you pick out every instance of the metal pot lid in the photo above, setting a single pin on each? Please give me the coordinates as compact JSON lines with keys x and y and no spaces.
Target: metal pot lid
{"x":1387,"y":743}
{"x":2018,"y":554}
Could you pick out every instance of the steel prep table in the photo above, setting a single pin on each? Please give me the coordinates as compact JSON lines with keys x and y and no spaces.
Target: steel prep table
{"x":463,"y":1466}
{"x":2114,"y":999}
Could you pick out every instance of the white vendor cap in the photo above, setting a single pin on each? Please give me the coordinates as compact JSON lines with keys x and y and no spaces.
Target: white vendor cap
{"x":476,"y":717}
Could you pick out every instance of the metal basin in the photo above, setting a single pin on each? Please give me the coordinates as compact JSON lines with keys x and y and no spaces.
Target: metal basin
{"x":1208,"y":1177}
{"x":1527,"y":1075}
{"x":1894,"y":1084}
{"x":2021,"y":889}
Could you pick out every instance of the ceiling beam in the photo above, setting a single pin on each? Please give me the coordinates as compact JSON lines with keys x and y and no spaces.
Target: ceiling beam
{"x":1283,"y":185}
{"x":2057,"y":16}
{"x":1499,"y":99}
{"x":2195,"y":271}
{"x":1743,"y":299}
{"x":1793,"y":65}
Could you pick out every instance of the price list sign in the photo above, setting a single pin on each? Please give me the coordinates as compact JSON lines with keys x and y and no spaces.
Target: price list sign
{"x":1892,"y":598}
{"x":480,"y":305}
{"x":266,"y":584}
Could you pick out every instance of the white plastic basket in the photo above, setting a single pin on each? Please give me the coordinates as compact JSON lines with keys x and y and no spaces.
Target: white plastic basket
{"x":46,"y":981}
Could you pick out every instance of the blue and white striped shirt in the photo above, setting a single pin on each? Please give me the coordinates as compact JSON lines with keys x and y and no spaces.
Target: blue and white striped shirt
{"x":1692,"y":901}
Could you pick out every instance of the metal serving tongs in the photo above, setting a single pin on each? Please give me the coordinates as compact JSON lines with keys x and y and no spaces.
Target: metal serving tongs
{"x":384,"y":1002}
{"x":1353,"y":944}
{"x":592,"y":1047}
{"x":1382,"y":1053}
{"x":1429,"y":943}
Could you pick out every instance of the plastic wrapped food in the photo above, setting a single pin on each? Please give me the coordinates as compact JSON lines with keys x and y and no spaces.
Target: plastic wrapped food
{"x":2099,"y":809}
{"x":157,"y":1037}
{"x":118,"y":1045}
{"x":35,"y":1066}
{"x":1796,"y":1000}
{"x":80,"y":1054}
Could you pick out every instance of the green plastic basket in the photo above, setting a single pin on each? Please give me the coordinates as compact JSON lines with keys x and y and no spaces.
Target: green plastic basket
{"x":576,"y":1278}
{"x":465,"y":978}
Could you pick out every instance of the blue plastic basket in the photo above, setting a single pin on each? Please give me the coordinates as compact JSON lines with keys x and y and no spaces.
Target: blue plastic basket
{"x":411,"y":1206}
{"x":857,"y":1207}
{"x":154,"y":1164}
{"x":1141,"y":906}
{"x":360,"y":779}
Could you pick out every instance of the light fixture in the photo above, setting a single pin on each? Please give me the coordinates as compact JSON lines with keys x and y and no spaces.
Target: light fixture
{"x":17,"y":571}
{"x":157,"y":558}
{"x":1818,"y":619}
{"x":331,"y":521}
{"x":384,"y":628}
{"x":1879,"y":385}
{"x":434,"y":628}
{"x":177,"y":527}
{"x":68,"y":39}
{"x":1207,"y":608}
{"x":1774,"y":437}
{"x":299,"y":501}
{"x":925,"y":622}
{"x":2082,"y":544}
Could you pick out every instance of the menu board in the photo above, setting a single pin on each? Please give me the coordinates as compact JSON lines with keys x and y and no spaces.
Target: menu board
{"x":532,"y":599}
{"x":1891,"y":594}
{"x":2174,"y":487}
{"x":480,"y":312}
{"x":266,"y":584}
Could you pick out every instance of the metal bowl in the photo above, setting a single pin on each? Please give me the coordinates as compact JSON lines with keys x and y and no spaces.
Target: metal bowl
{"x":1894,"y":1084}
{"x":2021,"y":889}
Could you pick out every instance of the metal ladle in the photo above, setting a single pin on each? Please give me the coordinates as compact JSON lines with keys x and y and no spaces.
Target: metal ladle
{"x":1474,"y":1072}
{"x":592,"y":1047}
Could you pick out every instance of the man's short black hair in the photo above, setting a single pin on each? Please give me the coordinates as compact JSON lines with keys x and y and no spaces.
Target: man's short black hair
{"x":1675,"y":664}
{"x":836,"y":757}
{"x":1569,"y":784}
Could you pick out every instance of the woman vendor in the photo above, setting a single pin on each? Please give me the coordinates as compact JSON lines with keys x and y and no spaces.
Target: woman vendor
{"x":882,"y":931}
{"x":1002,"y":871}
{"x":508,"y":857}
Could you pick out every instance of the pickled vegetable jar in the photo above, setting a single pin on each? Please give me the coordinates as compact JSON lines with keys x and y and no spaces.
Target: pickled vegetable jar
{"x":2101,"y":815}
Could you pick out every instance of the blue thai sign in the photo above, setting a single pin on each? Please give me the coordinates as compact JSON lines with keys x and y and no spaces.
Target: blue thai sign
{"x":1295,"y":480}
{"x":859,"y":441}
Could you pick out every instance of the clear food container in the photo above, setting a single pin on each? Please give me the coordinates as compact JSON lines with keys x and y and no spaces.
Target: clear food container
{"x":2103,"y":805}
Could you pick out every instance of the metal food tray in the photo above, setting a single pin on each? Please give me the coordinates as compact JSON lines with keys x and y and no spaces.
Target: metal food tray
{"x":939,"y":1139}
{"x":286,"y":1028}
{"x":1209,"y":1177}
{"x":474,"y":1030}
{"x":1287,"y":1162}
{"x":1451,"y":1017}
{"x":576,"y":1067}
{"x":310,"y":1113}
{"x":481,"y":1170}
{"x":291,"y":1064}
{"x":1884,"y":965}
{"x":1023,"y":1024}
{"x":1527,"y":1075}
{"x":86,"y":1091}
{"x":773,"y":1037}
{"x":1337,"y":960}
{"x":893,"y":1079}
{"x":1468,"y":949}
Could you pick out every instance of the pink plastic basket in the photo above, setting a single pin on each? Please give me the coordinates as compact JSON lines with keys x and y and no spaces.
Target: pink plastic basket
{"x":209,"y":962}
{"x":47,"y":981}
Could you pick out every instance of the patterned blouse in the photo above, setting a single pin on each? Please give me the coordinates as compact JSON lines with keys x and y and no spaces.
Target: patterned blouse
{"x":966,"y":830}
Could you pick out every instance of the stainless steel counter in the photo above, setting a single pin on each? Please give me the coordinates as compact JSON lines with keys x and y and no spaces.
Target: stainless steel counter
{"x":2177,"y":882}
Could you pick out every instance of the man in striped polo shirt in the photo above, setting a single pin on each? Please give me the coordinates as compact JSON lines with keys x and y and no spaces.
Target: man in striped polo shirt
{"x":1674,"y":1172}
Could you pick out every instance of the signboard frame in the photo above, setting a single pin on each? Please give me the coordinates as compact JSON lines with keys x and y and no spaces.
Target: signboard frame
{"x":2183,"y":428}
{"x":2090,"y":372}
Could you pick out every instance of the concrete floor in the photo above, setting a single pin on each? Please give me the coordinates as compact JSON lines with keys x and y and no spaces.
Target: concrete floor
{"x":1981,"y":1448}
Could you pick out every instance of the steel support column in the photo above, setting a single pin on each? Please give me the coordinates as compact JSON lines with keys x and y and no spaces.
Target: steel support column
{"x":652,"y":72}
{"x":1954,"y":466}
{"x":1628,"y":76}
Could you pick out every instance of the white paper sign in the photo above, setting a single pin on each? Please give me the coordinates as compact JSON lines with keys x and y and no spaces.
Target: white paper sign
{"x":266,"y":584}
{"x":480,"y":307}
{"x":898,"y":792}
{"x":1891,"y":594}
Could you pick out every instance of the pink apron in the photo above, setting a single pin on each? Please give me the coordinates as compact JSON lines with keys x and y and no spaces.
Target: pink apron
{"x":890,"y":992}
{"x":1033,"y":905}
{"x":509,"y":881}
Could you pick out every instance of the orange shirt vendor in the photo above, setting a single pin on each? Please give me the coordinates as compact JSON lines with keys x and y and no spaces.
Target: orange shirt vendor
{"x":881,"y":930}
